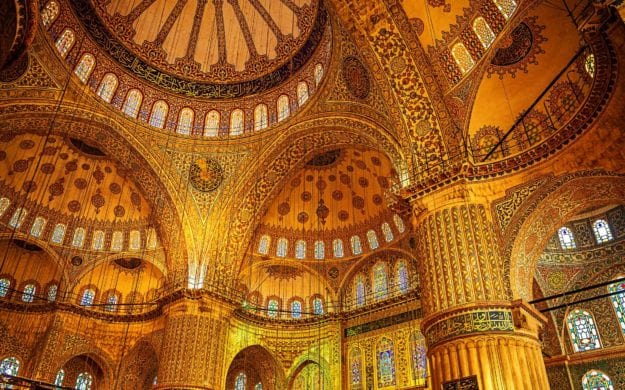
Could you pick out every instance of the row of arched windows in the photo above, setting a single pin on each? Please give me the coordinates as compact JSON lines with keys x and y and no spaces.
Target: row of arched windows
{"x":296,"y":308}
{"x":338,"y":249}
{"x":11,"y":366}
{"x":112,"y":299}
{"x":29,"y":291}
{"x":382,"y":286}
{"x":78,"y":239}
{"x":600,"y":228}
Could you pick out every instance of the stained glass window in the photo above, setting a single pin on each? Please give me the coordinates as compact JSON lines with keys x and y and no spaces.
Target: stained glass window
{"x":402,"y":277}
{"x":258,"y":386}
{"x":318,"y":73}
{"x":65,"y":42}
{"x":58,"y":380}
{"x":596,"y":380}
{"x":355,"y":243}
{"x":4,"y":205}
{"x":355,"y":368}
{"x":589,"y":65}
{"x":18,"y":217}
{"x":302,"y":93}
{"x":111,"y":302}
{"x":58,"y":234}
{"x":97,"y":242}
{"x":318,"y":306}
{"x":483,"y":32}
{"x":567,"y":241}
{"x":117,"y":241}
{"x":602,"y":231}
{"x":380,"y":288}
{"x":107,"y":87}
{"x":5,"y":284}
{"x":373,"y":239}
{"x":360,"y":290}
{"x":260,"y":117}
{"x":237,"y":121}
{"x":300,"y":249}
{"x":296,"y":309}
{"x":388,"y":233}
{"x":240,"y":382}
{"x":419,"y":357}
{"x":38,"y":225}
{"x":263,"y":245}
{"x":272,"y":308}
{"x":49,"y":13}
{"x":618,"y":300}
{"x":85,"y":67}
{"x":87,"y":297}
{"x":282,"y":247}
{"x":185,"y":121}
{"x":159,"y":114}
{"x":462,"y":57}
{"x":10,"y":366}
{"x":84,"y":381}
{"x":399,"y":223}
{"x":29,"y":293}
{"x":134,"y":240}
{"x":283,"y":108}
{"x":386,"y":363}
{"x":79,"y":237}
{"x":211,"y":125}
{"x":337,"y":246}
{"x":133,"y":103}
{"x":320,"y":253}
{"x":151,"y":240}
{"x":506,"y":7}
{"x":53,"y":289}
{"x":583,"y":332}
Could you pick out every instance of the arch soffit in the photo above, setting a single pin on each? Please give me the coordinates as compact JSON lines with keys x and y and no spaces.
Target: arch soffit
{"x":263,"y":351}
{"x":98,"y":355}
{"x":304,"y":360}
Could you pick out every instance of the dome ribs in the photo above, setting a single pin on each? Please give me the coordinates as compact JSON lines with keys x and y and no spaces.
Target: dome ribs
{"x":244,"y":28}
{"x":195,"y":31}
{"x":169,"y":23}
{"x":268,"y":19}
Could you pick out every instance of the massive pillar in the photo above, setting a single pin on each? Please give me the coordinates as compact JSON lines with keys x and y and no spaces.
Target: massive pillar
{"x":192,"y":356}
{"x":474,"y":332}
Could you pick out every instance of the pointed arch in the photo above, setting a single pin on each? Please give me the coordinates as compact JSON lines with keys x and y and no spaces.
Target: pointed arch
{"x":107,"y":87}
{"x":158,"y":116}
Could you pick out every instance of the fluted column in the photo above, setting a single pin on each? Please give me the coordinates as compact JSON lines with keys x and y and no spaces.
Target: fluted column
{"x":473,"y":330}
{"x":192,"y":356}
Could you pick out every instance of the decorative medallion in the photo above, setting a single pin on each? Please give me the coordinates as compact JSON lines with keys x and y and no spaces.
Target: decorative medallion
{"x":16,"y":70}
{"x":283,"y":272}
{"x":76,"y":261}
{"x":356,"y":77}
{"x":519,"y":49}
{"x":325,"y":159}
{"x":205,"y":174}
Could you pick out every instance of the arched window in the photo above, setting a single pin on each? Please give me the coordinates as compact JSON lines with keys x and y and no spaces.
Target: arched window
{"x":318,"y":73}
{"x":65,"y":42}
{"x":159,"y":114}
{"x":97,"y":242}
{"x":28,"y":295}
{"x":85,"y":67}
{"x":567,"y":241}
{"x":10,"y":366}
{"x":296,"y":309}
{"x":419,"y":357}
{"x":151,"y":241}
{"x":185,"y":121}
{"x":302,"y":93}
{"x":582,"y":331}
{"x":107,"y":87}
{"x":373,"y":239}
{"x":355,"y":244}
{"x":387,"y":232}
{"x":38,"y":225}
{"x":258,"y":386}
{"x":263,"y":245}
{"x":483,"y":32}
{"x":134,"y":240}
{"x":111,"y":302}
{"x":282,"y":247}
{"x":360,"y":290}
{"x":4,"y":205}
{"x":79,"y":237}
{"x":53,"y":289}
{"x":355,"y":368}
{"x":240,"y":382}
{"x":283,"y":108}
{"x":386,"y":363}
{"x":380,"y":286}
{"x":18,"y":217}
{"x":596,"y":380}
{"x":84,"y":381}
{"x":399,"y":223}
{"x":602,"y":231}
{"x":337,"y":247}
{"x":320,"y":253}
{"x":272,"y":308}
{"x":133,"y":103}
{"x":211,"y":124}
{"x":618,"y":301}
{"x":237,"y":120}
{"x":317,"y":306}
{"x":589,"y":65}
{"x":58,"y":380}
{"x":300,"y":249}
{"x":506,"y":7}
{"x":260,"y":117}
{"x":402,"y":277}
{"x":5,"y":285}
{"x":49,"y":13}
{"x":117,"y":241}
{"x":87,"y":297}
{"x":462,"y":57}
{"x":58,"y":234}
